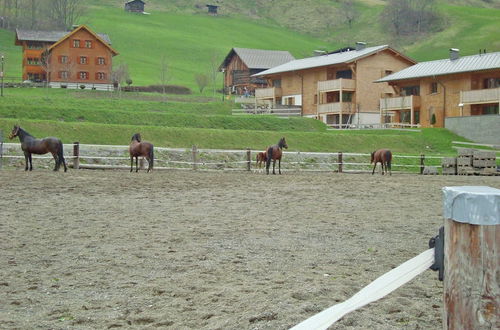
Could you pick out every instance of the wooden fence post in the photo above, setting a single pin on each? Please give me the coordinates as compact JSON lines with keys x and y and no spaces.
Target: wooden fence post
{"x":422,"y":163}
{"x":297,"y":168}
{"x":76,"y":155}
{"x":471,"y":258}
{"x":194,"y":152}
{"x":340,"y":161}
{"x":1,"y":149}
{"x":249,"y":159}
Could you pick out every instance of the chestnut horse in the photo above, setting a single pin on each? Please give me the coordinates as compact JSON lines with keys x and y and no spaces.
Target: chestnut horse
{"x":261,"y":159}
{"x":384,"y":157}
{"x":140,"y":149}
{"x":274,"y":153}
{"x":30,"y":145}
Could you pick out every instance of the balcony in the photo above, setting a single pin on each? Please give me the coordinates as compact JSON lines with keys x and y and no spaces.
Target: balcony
{"x":267,"y":93}
{"x":480,"y":96}
{"x":336,"y":85}
{"x":400,"y":103}
{"x":346,"y":108}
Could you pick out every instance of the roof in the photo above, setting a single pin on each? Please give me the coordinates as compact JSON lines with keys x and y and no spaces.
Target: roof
{"x":329,"y":59}
{"x":259,"y":58}
{"x":446,"y":66}
{"x":134,"y":1}
{"x":49,"y":36}
{"x":83,"y":27}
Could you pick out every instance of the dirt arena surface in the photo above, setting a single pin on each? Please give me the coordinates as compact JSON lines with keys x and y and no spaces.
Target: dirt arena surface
{"x":213,"y":250}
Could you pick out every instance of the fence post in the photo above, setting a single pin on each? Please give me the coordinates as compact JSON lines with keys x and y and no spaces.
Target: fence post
{"x":340,"y":162}
{"x":297,"y":168}
{"x":194,"y":152}
{"x":249,"y":159}
{"x":471,"y":295}
{"x":76,"y":155}
{"x":422,"y":163}
{"x":1,"y":148}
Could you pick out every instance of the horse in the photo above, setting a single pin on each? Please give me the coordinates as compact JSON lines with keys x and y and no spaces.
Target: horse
{"x":31,"y":145}
{"x":261,"y":159}
{"x":140,"y":149}
{"x":274,"y":153}
{"x":384,"y":157}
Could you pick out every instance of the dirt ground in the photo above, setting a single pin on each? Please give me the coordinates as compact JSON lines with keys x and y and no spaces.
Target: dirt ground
{"x":213,"y":250}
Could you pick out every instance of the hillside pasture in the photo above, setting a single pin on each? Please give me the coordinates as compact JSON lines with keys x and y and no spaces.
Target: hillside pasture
{"x":190,"y":250}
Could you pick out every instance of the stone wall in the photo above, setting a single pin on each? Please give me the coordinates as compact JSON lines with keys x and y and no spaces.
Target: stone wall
{"x":480,"y":129}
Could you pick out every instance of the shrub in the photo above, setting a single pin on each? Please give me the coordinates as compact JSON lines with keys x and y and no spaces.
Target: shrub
{"x":82,"y":86}
{"x":169,"y":89}
{"x":433,"y":119}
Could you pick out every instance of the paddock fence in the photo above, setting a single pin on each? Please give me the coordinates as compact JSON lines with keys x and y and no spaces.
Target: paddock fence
{"x":90,"y":156}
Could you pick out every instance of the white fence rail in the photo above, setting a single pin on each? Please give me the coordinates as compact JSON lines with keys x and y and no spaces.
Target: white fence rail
{"x":117,"y":157}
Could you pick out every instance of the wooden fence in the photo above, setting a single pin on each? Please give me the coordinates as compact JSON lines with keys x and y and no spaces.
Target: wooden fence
{"x":86,"y":156}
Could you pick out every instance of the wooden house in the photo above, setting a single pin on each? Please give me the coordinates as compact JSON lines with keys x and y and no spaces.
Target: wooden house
{"x":241,"y":63}
{"x":135,"y":6}
{"x":428,"y":92}
{"x":337,"y":88}
{"x":67,"y":59}
{"x":212,"y":9}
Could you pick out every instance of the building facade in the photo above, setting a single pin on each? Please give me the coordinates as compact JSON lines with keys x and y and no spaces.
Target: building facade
{"x":429,"y":92}
{"x":336,"y":88}
{"x":67,"y":59}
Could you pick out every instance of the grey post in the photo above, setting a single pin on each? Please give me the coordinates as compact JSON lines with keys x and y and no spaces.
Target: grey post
{"x":194,"y":152}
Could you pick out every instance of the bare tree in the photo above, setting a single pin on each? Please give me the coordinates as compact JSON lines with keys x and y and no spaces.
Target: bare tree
{"x":214,"y":70}
{"x":119,"y":75}
{"x":348,"y":12}
{"x":202,"y":81}
{"x":165,"y":74}
{"x":65,"y":13}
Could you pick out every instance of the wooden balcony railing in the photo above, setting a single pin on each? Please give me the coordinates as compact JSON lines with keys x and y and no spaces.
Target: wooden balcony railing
{"x":480,"y":96}
{"x":267,"y":93}
{"x":400,"y":103}
{"x":336,"y":85}
{"x":346,"y":107}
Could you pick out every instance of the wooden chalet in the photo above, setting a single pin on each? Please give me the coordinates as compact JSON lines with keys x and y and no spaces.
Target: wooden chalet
{"x":241,"y":63}
{"x":135,"y":6}
{"x":337,"y":88}
{"x":452,"y":87}
{"x":212,"y":9}
{"x":67,"y":59}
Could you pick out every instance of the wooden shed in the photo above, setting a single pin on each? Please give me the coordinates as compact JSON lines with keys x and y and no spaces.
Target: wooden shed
{"x":135,"y":6}
{"x":212,"y":9}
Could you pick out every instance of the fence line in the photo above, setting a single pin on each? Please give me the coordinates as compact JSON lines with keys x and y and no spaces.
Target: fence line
{"x":116,"y":157}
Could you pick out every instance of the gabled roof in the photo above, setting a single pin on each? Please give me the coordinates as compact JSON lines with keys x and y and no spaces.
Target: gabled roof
{"x":49,"y":36}
{"x":134,"y":1}
{"x":446,"y":66}
{"x":330,"y":59}
{"x":83,"y":27}
{"x":258,"y":58}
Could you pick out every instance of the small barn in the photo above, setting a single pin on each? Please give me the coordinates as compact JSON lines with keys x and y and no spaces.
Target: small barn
{"x":212,"y":9}
{"x":135,"y":6}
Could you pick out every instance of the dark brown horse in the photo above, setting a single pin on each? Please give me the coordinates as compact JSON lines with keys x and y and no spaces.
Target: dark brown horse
{"x":274,"y":153}
{"x":384,"y":157}
{"x":30,"y":145}
{"x":261,"y":159}
{"x":140,"y":149}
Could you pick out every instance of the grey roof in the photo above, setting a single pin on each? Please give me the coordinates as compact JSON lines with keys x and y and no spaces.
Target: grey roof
{"x":259,"y":58}
{"x":49,"y":36}
{"x":323,"y":60}
{"x":444,"y":67}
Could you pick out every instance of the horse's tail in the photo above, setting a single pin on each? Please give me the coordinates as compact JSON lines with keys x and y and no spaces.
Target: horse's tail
{"x":269,"y":156}
{"x":60,"y":156}
{"x":151,"y":158}
{"x":388,"y":159}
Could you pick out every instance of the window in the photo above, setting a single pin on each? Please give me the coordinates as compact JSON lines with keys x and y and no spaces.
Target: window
{"x":347,"y":96}
{"x":64,"y":74}
{"x":388,"y":72}
{"x":76,"y":43}
{"x":434,"y":88}
{"x":35,"y":45}
{"x":83,"y":75}
{"x":346,"y":74}
{"x":63,"y":59}
{"x":100,"y":75}
{"x":277,"y":83}
{"x":101,"y":61}
{"x":491,"y":83}
{"x":33,"y":61}
{"x":88,"y":43}
{"x":83,"y":59}
{"x":410,"y":90}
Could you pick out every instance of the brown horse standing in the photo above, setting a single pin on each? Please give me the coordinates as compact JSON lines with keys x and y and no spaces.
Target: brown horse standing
{"x":261,"y":159}
{"x":274,"y":153}
{"x":384,"y":157}
{"x":140,"y":149}
{"x":30,"y":145}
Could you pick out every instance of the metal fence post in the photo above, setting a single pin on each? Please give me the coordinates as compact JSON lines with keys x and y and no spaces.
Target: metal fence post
{"x":194,"y":152}
{"x":1,"y":148}
{"x":76,"y":155}
{"x":340,"y":162}
{"x":422,"y":163}
{"x":249,"y":159}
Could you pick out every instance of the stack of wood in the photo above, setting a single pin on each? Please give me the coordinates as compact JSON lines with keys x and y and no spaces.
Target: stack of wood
{"x":484,"y":162}
{"x":464,"y":161}
{"x":449,"y":166}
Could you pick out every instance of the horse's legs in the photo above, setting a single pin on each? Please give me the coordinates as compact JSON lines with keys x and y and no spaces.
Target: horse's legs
{"x":279,"y":166}
{"x":31,"y":162}
{"x":136,"y":164}
{"x":26,"y":160}
{"x":274,"y":166}
{"x":373,"y":172}
{"x":131,"y":163}
{"x":57,"y":161}
{"x":389,"y":165}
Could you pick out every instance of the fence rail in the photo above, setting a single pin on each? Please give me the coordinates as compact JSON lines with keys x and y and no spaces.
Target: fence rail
{"x":116,"y":157}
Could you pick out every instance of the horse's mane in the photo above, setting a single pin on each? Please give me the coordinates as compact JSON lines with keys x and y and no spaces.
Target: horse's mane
{"x":136,"y":137}
{"x":24,"y":132}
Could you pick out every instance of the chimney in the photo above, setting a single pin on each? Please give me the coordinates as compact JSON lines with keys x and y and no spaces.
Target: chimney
{"x":319,"y":52}
{"x":454,"y":54}
{"x":360,"y":45}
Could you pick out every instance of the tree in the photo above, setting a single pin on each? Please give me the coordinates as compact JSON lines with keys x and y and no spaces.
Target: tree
{"x":349,"y":13}
{"x":165,"y":74}
{"x":214,"y":70}
{"x":202,"y":81}
{"x":119,"y":75}
{"x":65,"y":13}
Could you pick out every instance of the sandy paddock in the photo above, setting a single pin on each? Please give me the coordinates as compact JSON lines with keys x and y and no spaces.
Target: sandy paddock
{"x":213,"y":250}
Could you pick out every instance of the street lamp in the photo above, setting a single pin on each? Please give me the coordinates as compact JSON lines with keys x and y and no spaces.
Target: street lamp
{"x":223,"y":84}
{"x":461,"y":105}
{"x":1,"y":75}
